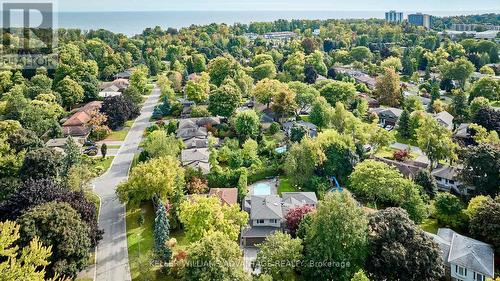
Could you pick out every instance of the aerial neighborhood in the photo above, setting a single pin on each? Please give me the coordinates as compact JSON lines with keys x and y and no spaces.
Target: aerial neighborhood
{"x":351,"y":150}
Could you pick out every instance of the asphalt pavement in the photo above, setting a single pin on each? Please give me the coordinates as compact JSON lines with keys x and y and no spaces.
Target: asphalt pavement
{"x":111,"y":255}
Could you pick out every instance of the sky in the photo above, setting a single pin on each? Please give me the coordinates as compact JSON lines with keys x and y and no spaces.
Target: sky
{"x":279,"y":5}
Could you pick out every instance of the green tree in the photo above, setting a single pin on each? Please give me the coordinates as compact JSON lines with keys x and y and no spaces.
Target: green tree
{"x":459,"y":70}
{"x":265,"y":70}
{"x":316,"y":59}
{"x":162,"y":177}
{"x":104,"y":150}
{"x":204,"y":215}
{"x":196,"y":92}
{"x":435,"y":141}
{"x":486,"y":87}
{"x":159,"y":144}
{"x":279,"y":256}
{"x":413,"y":103}
{"x":220,"y":68}
{"x":301,"y":161}
{"x":60,"y":226}
{"x":27,"y":264}
{"x":338,"y":233}
{"x":265,"y":90}
{"x":474,"y":204}
{"x":161,"y":233}
{"x":294,"y":66}
{"x":71,"y":93}
{"x":404,"y":129}
{"x":139,"y":79}
{"x":476,"y":104}
{"x":485,"y":222}
{"x":72,"y":155}
{"x":393,"y":236}
{"x":424,"y":179}
{"x":388,"y":89}
{"x":392,"y":62}
{"x":459,"y":106}
{"x":42,"y":163}
{"x":321,"y":113}
{"x":449,"y":210}
{"x":247,"y":124}
{"x":220,"y":256}
{"x":383,"y":185}
{"x":224,"y":101}
{"x":305,"y":94}
{"x":481,"y":168}
{"x":361,"y":53}
{"x":360,"y":276}
{"x":284,"y":103}
{"x":199,"y":63}
{"x":338,"y":91}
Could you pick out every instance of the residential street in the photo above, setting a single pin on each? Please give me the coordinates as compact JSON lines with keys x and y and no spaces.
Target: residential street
{"x":112,"y":255}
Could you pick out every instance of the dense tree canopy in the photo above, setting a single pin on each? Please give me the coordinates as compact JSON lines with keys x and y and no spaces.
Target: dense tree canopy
{"x":338,"y":233}
{"x":58,"y":225}
{"x":204,"y":215}
{"x":399,"y":249}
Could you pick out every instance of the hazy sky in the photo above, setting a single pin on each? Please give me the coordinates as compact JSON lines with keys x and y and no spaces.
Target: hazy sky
{"x":313,"y":5}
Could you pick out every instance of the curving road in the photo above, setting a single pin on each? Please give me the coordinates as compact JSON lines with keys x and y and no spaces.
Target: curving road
{"x":111,"y":254}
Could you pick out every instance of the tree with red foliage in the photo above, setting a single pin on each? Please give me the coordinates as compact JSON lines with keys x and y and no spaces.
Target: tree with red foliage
{"x":295,"y":215}
{"x":401,"y":155}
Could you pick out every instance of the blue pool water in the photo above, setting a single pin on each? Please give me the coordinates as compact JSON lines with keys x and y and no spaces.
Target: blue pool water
{"x":262,"y":189}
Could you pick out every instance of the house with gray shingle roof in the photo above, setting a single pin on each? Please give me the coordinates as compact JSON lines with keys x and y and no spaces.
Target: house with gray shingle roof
{"x":267,"y":213}
{"x":445,"y":119}
{"x":466,"y":259}
{"x":387,"y":115}
{"x":197,"y":159}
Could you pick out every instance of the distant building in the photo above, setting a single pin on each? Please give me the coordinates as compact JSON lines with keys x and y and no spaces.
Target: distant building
{"x":473,"y":27}
{"x":420,"y":19}
{"x":465,"y":258}
{"x":393,"y":16}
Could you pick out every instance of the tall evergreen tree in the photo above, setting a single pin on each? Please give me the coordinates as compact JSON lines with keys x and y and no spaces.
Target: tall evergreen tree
{"x":408,"y":67}
{"x":162,"y":234}
{"x":404,"y":124}
{"x":459,"y":106}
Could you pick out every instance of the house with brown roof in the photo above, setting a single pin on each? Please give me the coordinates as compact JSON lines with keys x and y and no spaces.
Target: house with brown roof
{"x":227,"y":196}
{"x":77,"y":124}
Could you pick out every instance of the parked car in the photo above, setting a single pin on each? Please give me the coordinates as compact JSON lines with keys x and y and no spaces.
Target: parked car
{"x":91,"y":151}
{"x":89,"y":143}
{"x":389,"y":127}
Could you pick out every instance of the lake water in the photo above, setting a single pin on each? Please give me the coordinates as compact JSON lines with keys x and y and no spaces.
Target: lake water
{"x":131,"y":23}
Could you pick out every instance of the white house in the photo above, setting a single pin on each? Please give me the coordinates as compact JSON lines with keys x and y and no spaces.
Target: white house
{"x":447,"y":179}
{"x":465,"y":259}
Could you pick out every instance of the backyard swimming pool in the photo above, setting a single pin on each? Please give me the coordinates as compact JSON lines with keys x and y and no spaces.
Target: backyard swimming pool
{"x":262,"y":189}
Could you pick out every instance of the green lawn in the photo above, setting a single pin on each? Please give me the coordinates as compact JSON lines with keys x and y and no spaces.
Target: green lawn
{"x":114,"y":146}
{"x":285,"y":185}
{"x":140,"y":243}
{"x":103,"y":164}
{"x":430,"y":225}
{"x":495,"y":104}
{"x":121,"y":134}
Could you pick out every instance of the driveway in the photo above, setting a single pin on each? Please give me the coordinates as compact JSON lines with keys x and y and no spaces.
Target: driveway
{"x":250,"y":255}
{"x":112,"y":256}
